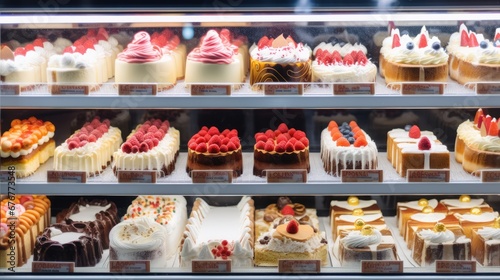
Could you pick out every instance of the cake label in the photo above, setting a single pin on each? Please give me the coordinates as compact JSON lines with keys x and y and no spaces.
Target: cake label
{"x":9,"y":89}
{"x":129,"y":267}
{"x":455,"y":266}
{"x":53,"y":267}
{"x":140,"y":176}
{"x":54,"y":176}
{"x":426,"y":175}
{"x":488,"y":88}
{"x":212,"y":176}
{"x":70,"y":89}
{"x":422,"y":88}
{"x":362,"y":176}
{"x":351,"y":89}
{"x":490,"y":176}
{"x":381,"y":266}
{"x":286,"y":176}
{"x":211,"y":266}
{"x":299,"y":266}
{"x":283,"y":89}
{"x":137,"y":89}
{"x":210,"y":89}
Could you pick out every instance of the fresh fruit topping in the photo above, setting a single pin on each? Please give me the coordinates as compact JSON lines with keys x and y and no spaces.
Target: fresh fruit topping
{"x":299,"y":146}
{"x":201,"y":148}
{"x":144,"y":148}
{"x":203,"y":132}
{"x":231,"y":147}
{"x":214,"y":140}
{"x":260,"y":136}
{"x":276,"y":133}
{"x":362,"y":59}
{"x":360,"y":142}
{"x":213,"y":148}
{"x":348,"y":60}
{"x":289,"y":147}
{"x":225,"y":132}
{"x":493,"y":130}
{"x":269,"y":133}
{"x":260,"y":145}
{"x":20,"y":51}
{"x":235,"y":141}
{"x":353,"y":124}
{"x":263,"y":42}
{"x":304,"y":141}
{"x":204,"y":128}
{"x":193,"y":146}
{"x":226,"y":140}
{"x":73,"y":144}
{"x":287,"y":210}
{"x":223,"y":148}
{"x":343,"y":142}
{"x":487,"y":121}
{"x":283,"y":128}
{"x":224,"y":243}
{"x":292,"y":227}
{"x":464,"y":39}
{"x":200,"y":140}
{"x":424,"y":144}
{"x":280,"y":147}
{"x":423,"y":41}
{"x":281,"y":137}
{"x":29,"y":47}
{"x":135,"y":149}
{"x":92,"y":138}
{"x":358,"y":134}
{"x":299,"y":134}
{"x":436,"y":46}
{"x":396,"y":41}
{"x":483,"y":45}
{"x":213,"y":131}
{"x":480,"y":121}
{"x":291,"y":131}
{"x":473,"y":40}
{"x":332,"y":124}
{"x":336,"y":136}
{"x":410,"y":45}
{"x":414,"y":132}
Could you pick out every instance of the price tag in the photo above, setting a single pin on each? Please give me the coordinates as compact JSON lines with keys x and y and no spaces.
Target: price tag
{"x":299,"y":266}
{"x":421,"y":88}
{"x":9,"y":89}
{"x":141,"y":176}
{"x":54,"y":176}
{"x":211,"y":266}
{"x":286,"y":176}
{"x":490,"y":176}
{"x":455,"y":266}
{"x":70,"y":89}
{"x":137,"y":89}
{"x":381,"y":266}
{"x":488,"y":88}
{"x":53,"y":267}
{"x":210,"y":90}
{"x":351,"y":89}
{"x":358,"y":176}
{"x":212,"y":176}
{"x":4,"y":175}
{"x":129,"y":267}
{"x":284,"y":89}
{"x":432,"y":175}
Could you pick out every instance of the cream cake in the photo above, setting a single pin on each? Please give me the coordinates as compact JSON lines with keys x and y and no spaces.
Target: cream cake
{"x":153,"y":145}
{"x":406,"y":209}
{"x":398,"y":136}
{"x":350,"y":205}
{"x":227,"y":39}
{"x":356,"y":220}
{"x":424,"y":154}
{"x":72,"y":68}
{"x":224,"y":232}
{"x":170,"y":44}
{"x":476,"y":218}
{"x":24,"y":67}
{"x":426,"y":219}
{"x":486,"y":244}
{"x":464,"y":204}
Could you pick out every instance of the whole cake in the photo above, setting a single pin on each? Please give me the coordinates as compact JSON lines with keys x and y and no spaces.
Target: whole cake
{"x":283,"y":148}
{"x":347,"y":147}
{"x":73,"y":67}
{"x":153,"y":145}
{"x":210,"y":149}
{"x":472,"y":57}
{"x":24,"y":67}
{"x":219,"y":232}
{"x":486,"y":244}
{"x":89,"y":149}
{"x":26,"y":145}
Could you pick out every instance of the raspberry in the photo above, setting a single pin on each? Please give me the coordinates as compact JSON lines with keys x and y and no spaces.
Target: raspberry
{"x":152,"y":129}
{"x":83,"y":137}
{"x":281,"y":137}
{"x":292,"y":140}
{"x":223,"y":148}
{"x":201,"y":148}
{"x":214,"y":251}
{"x":103,"y":128}
{"x":260,"y":145}
{"x":192,"y":146}
{"x":207,"y":137}
{"x":164,"y":128}
{"x":276,"y":133}
{"x":287,"y":210}
{"x":231,"y":146}
{"x":261,"y":137}
{"x":304,"y":141}
{"x":224,"y":242}
{"x":225,"y":141}
{"x":133,"y":141}
{"x":283,"y":128}
{"x":213,"y":148}
{"x":215,"y":140}
{"x":204,"y":128}
{"x":342,"y":142}
{"x":299,"y":146}
{"x":292,"y":227}
{"x":144,"y":148}
{"x":424,"y":144}
{"x":336,"y":135}
{"x":150,"y":143}
{"x":269,"y":133}
{"x":202,"y":133}
{"x":213,"y":131}
{"x":83,"y":143}
{"x":291,"y":131}
{"x":106,"y":122}
{"x":414,"y":132}
{"x":299,"y":134}
{"x":89,"y":127}
{"x":156,"y":141}
{"x":225,"y":132}
{"x":72,"y":145}
{"x":149,"y":136}
{"x":233,"y":133}
{"x":139,"y":137}
{"x":289,"y":147}
{"x":200,"y":140}
{"x":281,"y":147}
{"x":92,"y":138}
{"x":269,"y":146}
{"x":236,"y":141}
{"x":332,"y":124}
{"x":360,"y":142}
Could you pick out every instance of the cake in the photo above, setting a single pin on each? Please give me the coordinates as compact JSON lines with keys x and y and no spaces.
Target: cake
{"x":170,"y":44}
{"x":98,"y":213}
{"x":100,"y":59}
{"x":26,"y":145}
{"x":76,"y":242}
{"x":356,"y":220}
{"x":486,"y":244}
{"x":23,"y":67}
{"x":351,"y":204}
{"x":89,"y":149}
{"x":476,"y":218}
{"x":214,"y":62}
{"x":426,"y":219}
{"x":210,"y":149}
{"x":342,"y":64}
{"x":347,"y":147}
{"x":440,"y":242}
{"x":473,"y":58}
{"x":477,"y":145}
{"x":280,"y":60}
{"x":283,"y":148}
{"x":398,"y":136}
{"x":144,"y":63}
{"x":464,"y":204}
{"x":421,"y":59}
{"x":220,"y":233}
{"x":407,"y":209}
{"x":153,"y":145}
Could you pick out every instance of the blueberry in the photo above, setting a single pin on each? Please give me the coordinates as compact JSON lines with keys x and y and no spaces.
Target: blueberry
{"x":483,"y":45}
{"x":436,"y":46}
{"x":351,"y":133}
{"x":407,"y":127}
{"x":410,"y":45}
{"x":351,"y":140}
{"x":345,"y":124}
{"x":405,"y":32}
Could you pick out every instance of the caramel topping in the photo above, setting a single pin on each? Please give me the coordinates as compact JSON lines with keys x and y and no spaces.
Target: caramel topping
{"x":299,"y":209}
{"x":353,"y":200}
{"x":439,"y":227}
{"x":423,"y":202}
{"x":305,"y":233}
{"x":427,"y":210}
{"x":476,"y":211}
{"x":367,"y":230}
{"x":359,"y":224}
{"x":358,"y":212}
{"x":496,"y":224}
{"x":464,"y":198}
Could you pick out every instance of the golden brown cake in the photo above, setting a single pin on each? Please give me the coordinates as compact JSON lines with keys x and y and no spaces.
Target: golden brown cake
{"x":426,"y":219}
{"x":406,"y":209}
{"x":355,"y":221}
{"x":424,"y":154}
{"x":399,"y":136}
{"x":486,"y":244}
{"x":464,"y":204}
{"x":475,"y":219}
{"x":350,"y":205}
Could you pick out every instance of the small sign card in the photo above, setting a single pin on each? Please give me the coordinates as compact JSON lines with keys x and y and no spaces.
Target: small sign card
{"x":137,"y":89}
{"x":286,"y":176}
{"x":53,"y":267}
{"x":428,"y":175}
{"x":488,"y":88}
{"x":129,"y":267}
{"x":351,"y":89}
{"x":382,"y":267}
{"x":284,"y":89}
{"x":9,"y":89}
{"x":455,"y":266}
{"x":70,"y":89}
{"x":212,"y":176}
{"x":139,"y":176}
{"x":211,"y":266}
{"x":210,"y":89}
{"x":299,"y":266}
{"x":54,"y":176}
{"x":362,"y":176}
{"x":490,"y":176}
{"x":422,"y":88}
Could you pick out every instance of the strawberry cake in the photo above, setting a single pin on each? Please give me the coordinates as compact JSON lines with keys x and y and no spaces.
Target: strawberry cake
{"x":210,"y":149}
{"x":27,"y":145}
{"x":23,"y":67}
{"x":170,"y":44}
{"x":153,"y":145}
{"x":346,"y":64}
{"x":347,"y":147}
{"x":282,"y":148}
{"x":89,"y":149}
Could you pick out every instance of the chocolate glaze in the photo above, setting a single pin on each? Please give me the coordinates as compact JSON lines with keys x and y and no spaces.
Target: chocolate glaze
{"x":265,"y":160}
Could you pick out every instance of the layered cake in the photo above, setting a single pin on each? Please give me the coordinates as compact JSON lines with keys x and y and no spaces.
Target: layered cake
{"x":398,"y":136}
{"x":26,"y":145}
{"x":476,"y":218}
{"x":346,"y":64}
{"x":426,"y":219}
{"x":170,"y":44}
{"x":89,"y":149}
{"x":143,"y":62}
{"x":477,"y":145}
{"x":473,"y":58}
{"x":220,"y":232}
{"x":210,"y":149}
{"x":464,"y":205}
{"x":486,"y":244}
{"x":350,"y":205}
{"x":76,"y":242}
{"x":280,"y":60}
{"x":347,"y":147}
{"x":153,"y":145}
{"x":356,"y":220}
{"x":407,"y":209}
{"x":282,"y":148}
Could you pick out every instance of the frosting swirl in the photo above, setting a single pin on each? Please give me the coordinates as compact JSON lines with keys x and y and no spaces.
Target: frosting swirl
{"x":437,"y":237}
{"x":212,"y":50}
{"x":140,"y":50}
{"x":139,"y":234}
{"x":490,"y":233}
{"x":355,"y":239}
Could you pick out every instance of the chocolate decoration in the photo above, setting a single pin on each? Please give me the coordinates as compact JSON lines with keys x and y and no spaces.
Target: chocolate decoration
{"x":283,"y":201}
{"x":221,"y":161}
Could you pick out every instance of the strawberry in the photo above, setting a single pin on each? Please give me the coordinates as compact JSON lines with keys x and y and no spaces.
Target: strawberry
{"x":231,"y":146}
{"x":424,"y":144}
{"x":29,"y":47}
{"x":80,"y":49}
{"x":260,"y":145}
{"x":291,"y":131}
{"x":423,"y":41}
{"x":213,"y":148}
{"x":348,"y":60}
{"x":328,"y":60}
{"x":270,"y":42}
{"x":304,"y":141}
{"x":396,"y":41}
{"x":342,"y":142}
{"x":478,"y":113}
{"x":144,"y":148}
{"x":354,"y":55}
{"x":464,"y":39}
{"x":192,"y":146}
{"x":497,"y":35}
{"x":73,"y":144}
{"x":299,"y":146}
{"x":289,"y":147}
{"x":362,"y":60}
{"x":201,"y":148}
{"x":299,"y":134}
{"x":318,"y":53}
{"x":358,"y":134}
{"x":353,"y":124}
{"x":225,"y":141}
{"x":92,"y":138}
{"x":480,"y":121}
{"x":68,"y":49}
{"x":38,"y":42}
{"x":260,"y":137}
{"x":281,"y":137}
{"x":293,"y":140}
{"x":225,"y":132}
{"x":91,"y":33}
{"x":283,"y":128}
{"x":269,"y":147}
{"x":493,"y":130}
{"x":20,"y":51}
{"x":356,"y":129}
{"x":25,"y":198}
{"x":269,"y":133}
{"x":215,"y":140}
{"x":263,"y":42}
{"x":337,"y":58}
{"x":89,"y":44}
{"x":487,"y":121}
{"x":336,"y":135}
{"x":287,"y":210}
{"x":473,"y":40}
{"x":100,"y":37}
{"x":292,"y":227}
{"x":281,"y":147}
{"x":414,"y":132}
{"x":332,"y":124}
{"x":235,"y":141}
{"x":360,"y":142}
{"x":213,"y":131}
{"x":223,"y":148}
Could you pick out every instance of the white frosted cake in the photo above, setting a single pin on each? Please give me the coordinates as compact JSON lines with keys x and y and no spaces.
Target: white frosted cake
{"x":22,"y":67}
{"x":73,"y":68}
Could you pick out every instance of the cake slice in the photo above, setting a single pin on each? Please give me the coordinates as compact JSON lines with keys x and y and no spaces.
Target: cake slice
{"x":421,"y":155}
{"x":476,"y":219}
{"x":426,"y":219}
{"x":397,"y":136}
{"x":351,"y":204}
{"x":355,"y":221}
{"x":406,"y":209}
{"x":464,"y":204}
{"x":486,"y":244}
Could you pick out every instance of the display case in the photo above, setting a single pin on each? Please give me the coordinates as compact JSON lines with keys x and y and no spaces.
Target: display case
{"x":321,"y":104}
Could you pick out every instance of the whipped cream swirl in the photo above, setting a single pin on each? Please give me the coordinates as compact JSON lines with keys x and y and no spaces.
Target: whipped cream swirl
{"x":213,"y":50}
{"x":437,"y":237}
{"x":140,"y":50}
{"x":139,"y":234}
{"x":355,"y":239}
{"x":490,"y":233}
